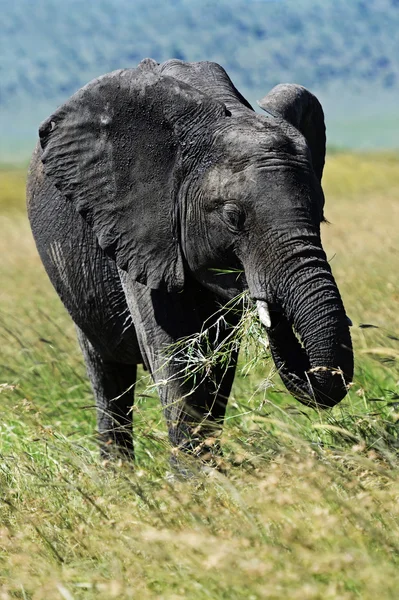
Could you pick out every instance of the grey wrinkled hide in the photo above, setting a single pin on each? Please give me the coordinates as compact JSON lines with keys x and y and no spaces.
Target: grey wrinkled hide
{"x":157,"y":194}
{"x":302,"y":109}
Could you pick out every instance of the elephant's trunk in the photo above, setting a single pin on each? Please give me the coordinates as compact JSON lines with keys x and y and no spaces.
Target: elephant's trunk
{"x":306,"y":302}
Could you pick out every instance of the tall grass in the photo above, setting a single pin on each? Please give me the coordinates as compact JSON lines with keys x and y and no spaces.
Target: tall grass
{"x":308,"y":505}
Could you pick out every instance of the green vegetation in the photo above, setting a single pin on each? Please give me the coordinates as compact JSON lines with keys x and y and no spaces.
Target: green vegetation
{"x":309,"y":506}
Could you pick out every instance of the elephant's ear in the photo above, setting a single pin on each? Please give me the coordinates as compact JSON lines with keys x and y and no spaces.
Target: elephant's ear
{"x":114,"y":150}
{"x":302,"y":109}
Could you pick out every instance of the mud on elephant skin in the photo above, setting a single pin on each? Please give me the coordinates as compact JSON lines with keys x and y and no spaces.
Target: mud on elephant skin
{"x":148,"y":190}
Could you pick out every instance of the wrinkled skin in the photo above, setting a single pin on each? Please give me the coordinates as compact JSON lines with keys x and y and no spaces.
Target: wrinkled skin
{"x":155,"y":195}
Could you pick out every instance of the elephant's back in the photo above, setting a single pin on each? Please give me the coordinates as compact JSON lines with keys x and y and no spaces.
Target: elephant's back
{"x":85,"y":278}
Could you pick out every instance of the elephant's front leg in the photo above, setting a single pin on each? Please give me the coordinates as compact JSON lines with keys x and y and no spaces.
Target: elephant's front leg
{"x":194,"y":400}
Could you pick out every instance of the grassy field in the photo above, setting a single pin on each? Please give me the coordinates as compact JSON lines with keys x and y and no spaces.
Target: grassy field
{"x":309,"y":506}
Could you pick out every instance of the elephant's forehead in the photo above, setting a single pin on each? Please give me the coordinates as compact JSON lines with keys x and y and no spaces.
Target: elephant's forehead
{"x":227,"y":177}
{"x":237,"y":179}
{"x":260,"y":137}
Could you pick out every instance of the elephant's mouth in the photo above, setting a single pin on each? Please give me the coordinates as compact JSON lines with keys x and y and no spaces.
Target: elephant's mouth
{"x":315,"y":381}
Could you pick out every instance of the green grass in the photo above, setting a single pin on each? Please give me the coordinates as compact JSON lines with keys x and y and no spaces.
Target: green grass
{"x":308,"y":508}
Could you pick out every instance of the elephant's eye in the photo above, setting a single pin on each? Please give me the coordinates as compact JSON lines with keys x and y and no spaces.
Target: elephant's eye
{"x":234,"y":216}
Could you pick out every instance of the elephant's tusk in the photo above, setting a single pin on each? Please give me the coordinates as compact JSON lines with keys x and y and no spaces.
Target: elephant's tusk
{"x":263,"y":313}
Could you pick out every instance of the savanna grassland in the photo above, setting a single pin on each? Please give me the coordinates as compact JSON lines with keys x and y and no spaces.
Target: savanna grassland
{"x":309,"y":505}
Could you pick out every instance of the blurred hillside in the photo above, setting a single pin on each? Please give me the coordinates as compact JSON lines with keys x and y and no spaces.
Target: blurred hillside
{"x":345,"y":51}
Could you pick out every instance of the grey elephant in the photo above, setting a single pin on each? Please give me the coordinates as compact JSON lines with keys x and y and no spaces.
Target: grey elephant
{"x":156,"y":195}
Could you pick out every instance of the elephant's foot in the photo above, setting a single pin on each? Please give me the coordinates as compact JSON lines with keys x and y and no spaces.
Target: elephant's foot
{"x":116,"y":446}
{"x":198,"y":454}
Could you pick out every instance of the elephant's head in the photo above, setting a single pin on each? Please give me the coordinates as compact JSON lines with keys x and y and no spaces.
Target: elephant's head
{"x":177,"y":183}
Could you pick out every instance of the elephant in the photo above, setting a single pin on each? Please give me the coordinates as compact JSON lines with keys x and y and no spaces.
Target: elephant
{"x":156,"y":195}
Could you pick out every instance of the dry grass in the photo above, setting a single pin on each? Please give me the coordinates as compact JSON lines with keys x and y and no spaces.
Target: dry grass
{"x":309,"y":506}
